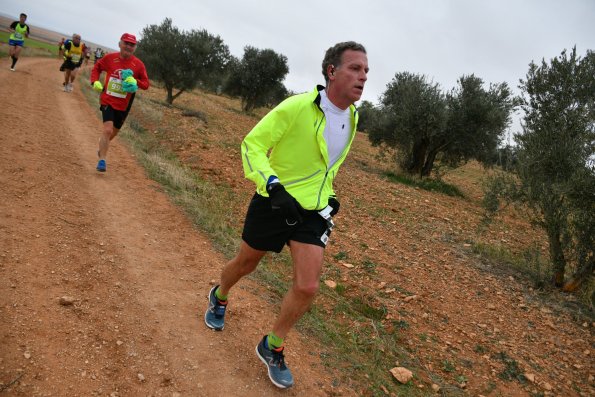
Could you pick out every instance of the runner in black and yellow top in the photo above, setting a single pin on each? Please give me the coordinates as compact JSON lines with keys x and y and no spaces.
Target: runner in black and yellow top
{"x":73,"y":59}
{"x":18,"y":31}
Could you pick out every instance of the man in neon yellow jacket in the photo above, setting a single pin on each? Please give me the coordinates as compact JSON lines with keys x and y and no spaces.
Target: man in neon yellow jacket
{"x":293,"y":155}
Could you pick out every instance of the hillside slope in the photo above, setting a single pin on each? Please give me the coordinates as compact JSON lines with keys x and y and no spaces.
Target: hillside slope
{"x":468,"y":324}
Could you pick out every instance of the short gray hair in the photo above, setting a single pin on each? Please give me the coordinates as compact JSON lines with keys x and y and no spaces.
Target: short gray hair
{"x":333,"y":55}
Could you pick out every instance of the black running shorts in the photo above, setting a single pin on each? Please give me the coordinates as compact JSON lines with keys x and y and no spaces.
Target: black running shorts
{"x":266,"y":230}
{"x":117,"y":116}
{"x":68,"y":64}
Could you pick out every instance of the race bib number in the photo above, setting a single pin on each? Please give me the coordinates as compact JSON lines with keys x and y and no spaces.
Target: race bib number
{"x":114,"y":87}
{"x":18,"y":36}
{"x":76,"y":58}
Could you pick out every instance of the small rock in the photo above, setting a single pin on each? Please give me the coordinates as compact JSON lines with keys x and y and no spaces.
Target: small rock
{"x":435,"y":387}
{"x":141,"y":377}
{"x":402,"y":374}
{"x":66,"y":300}
{"x":348,"y":265}
{"x":410,"y":298}
{"x":547,"y":386}
{"x":530,"y":377}
{"x":119,"y":343}
{"x":330,"y":284}
{"x":27,"y":355}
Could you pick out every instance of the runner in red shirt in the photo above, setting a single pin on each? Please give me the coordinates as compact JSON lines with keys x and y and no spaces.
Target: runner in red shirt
{"x":125,"y":73}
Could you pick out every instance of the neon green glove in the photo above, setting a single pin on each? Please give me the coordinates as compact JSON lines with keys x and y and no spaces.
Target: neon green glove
{"x":130,"y":80}
{"x":97,"y":86}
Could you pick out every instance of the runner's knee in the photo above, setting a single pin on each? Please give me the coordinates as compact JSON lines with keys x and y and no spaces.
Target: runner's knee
{"x":306,"y":289}
{"x":108,"y":130}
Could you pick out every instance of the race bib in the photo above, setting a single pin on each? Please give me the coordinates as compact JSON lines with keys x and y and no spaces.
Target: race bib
{"x":114,"y":87}
{"x":76,"y":58}
{"x":18,"y":36}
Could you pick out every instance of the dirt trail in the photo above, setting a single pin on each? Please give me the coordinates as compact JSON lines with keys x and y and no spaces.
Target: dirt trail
{"x":137,"y":270}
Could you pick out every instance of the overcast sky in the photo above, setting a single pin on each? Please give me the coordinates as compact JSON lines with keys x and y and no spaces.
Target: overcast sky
{"x":442,"y":39}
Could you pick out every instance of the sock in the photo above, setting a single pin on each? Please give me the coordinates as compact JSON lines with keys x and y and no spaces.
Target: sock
{"x":273,"y":341}
{"x":219,"y":296}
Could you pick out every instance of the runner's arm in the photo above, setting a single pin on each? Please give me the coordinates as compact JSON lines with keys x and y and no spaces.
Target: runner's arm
{"x":259,"y":141}
{"x":66,"y":47}
{"x":96,"y":71}
{"x":142,"y":80}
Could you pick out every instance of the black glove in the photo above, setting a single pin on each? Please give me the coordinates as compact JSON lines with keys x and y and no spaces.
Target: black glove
{"x":284,"y":203}
{"x":334,"y":203}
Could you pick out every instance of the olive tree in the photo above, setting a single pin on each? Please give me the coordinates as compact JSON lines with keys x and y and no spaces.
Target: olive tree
{"x":554,"y":176}
{"x":181,"y":60}
{"x":421,"y":122}
{"x":258,"y":78}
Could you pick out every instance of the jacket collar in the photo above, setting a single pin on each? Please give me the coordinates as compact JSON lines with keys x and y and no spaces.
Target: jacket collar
{"x":317,"y":100}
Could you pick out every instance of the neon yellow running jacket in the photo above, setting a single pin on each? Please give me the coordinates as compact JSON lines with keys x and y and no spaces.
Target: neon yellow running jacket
{"x":293,"y":133}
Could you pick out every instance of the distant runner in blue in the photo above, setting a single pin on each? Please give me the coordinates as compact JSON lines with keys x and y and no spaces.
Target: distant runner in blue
{"x":18,"y":31}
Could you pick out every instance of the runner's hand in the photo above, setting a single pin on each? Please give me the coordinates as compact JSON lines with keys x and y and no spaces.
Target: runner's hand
{"x":283,"y":202}
{"x":97,"y":86}
{"x":130,"y":80}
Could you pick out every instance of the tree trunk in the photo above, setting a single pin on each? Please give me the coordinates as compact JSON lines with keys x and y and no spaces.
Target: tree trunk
{"x":177,"y":95}
{"x":429,"y":164}
{"x":170,"y":90}
{"x":581,"y":275}
{"x":418,"y":156}
{"x":557,"y":255}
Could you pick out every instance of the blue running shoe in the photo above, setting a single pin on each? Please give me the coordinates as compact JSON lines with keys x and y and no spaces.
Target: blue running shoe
{"x":101,"y":166}
{"x":274,"y":359}
{"x":215,"y":314}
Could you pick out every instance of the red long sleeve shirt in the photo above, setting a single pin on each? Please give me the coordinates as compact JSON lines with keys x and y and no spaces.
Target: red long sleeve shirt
{"x":113,"y":64}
